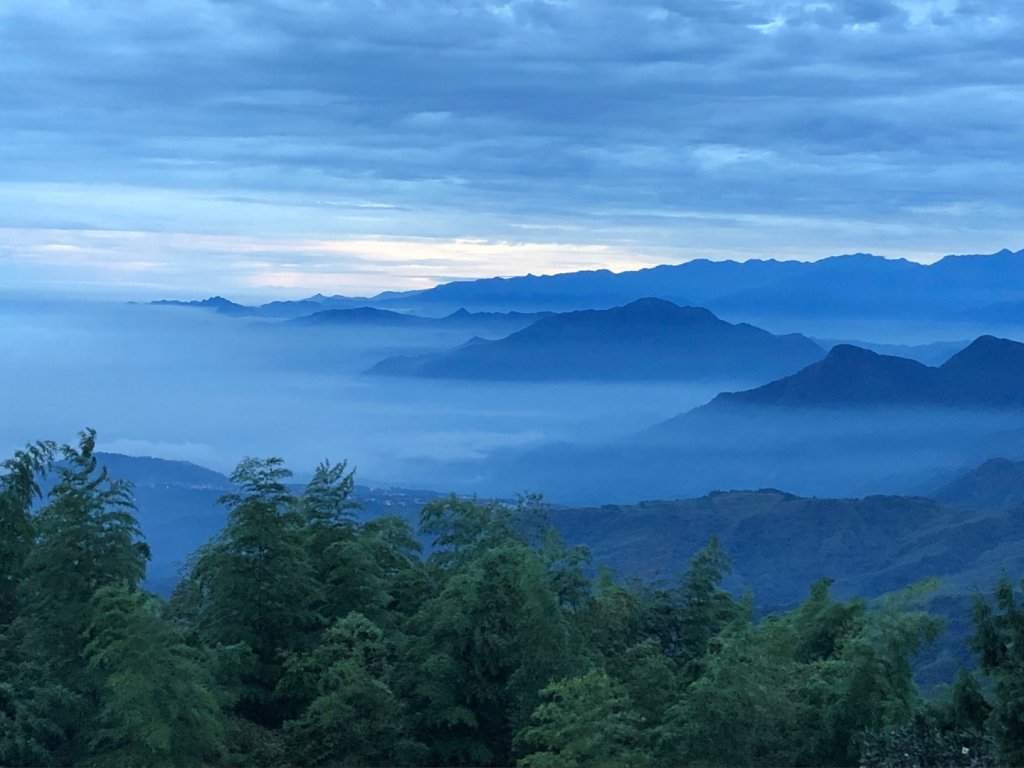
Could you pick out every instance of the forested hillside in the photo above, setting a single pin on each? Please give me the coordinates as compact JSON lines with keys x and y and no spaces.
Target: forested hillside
{"x":301,"y":636}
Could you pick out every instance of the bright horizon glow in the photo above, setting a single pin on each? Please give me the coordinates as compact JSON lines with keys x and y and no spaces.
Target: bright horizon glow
{"x":183,"y":265}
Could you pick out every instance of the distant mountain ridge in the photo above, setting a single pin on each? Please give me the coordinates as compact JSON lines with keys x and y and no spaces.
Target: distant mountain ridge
{"x":849,"y":286}
{"x":988,"y":373}
{"x":646,"y":339}
{"x":963,"y":288}
{"x":461,"y":318}
{"x":271,"y":310}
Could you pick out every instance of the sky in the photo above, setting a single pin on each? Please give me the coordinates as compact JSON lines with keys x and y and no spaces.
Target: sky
{"x":268,"y":148}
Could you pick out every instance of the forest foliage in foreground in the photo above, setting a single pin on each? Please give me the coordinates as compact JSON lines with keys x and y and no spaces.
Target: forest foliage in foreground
{"x":298,"y":636}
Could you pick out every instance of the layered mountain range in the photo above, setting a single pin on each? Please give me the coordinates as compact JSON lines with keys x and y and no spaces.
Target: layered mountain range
{"x":966,"y":289}
{"x":988,"y":373}
{"x":646,"y":339}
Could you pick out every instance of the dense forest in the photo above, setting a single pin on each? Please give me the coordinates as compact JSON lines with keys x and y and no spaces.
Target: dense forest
{"x":299,"y":636}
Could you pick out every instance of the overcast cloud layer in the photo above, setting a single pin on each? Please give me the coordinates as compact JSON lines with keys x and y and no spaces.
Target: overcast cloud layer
{"x":166,"y":147}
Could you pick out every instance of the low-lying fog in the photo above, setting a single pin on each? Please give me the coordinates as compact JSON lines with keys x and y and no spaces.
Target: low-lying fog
{"x":841,"y":453}
{"x":189,"y":384}
{"x":185,"y":383}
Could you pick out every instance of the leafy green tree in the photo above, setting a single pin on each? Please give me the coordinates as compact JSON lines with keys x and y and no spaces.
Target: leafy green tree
{"x":998,"y":640}
{"x":822,"y":623}
{"x":464,"y":528}
{"x":529,"y":521}
{"x":582,"y":721}
{"x":871,"y":675}
{"x":482,"y":650}
{"x":745,"y":707}
{"x":351,"y":715}
{"x":86,"y":538}
{"x":18,"y":490}
{"x":38,"y":717}
{"x":968,"y":710}
{"x":654,"y":686}
{"x":377,"y":572}
{"x":686,"y":617}
{"x":157,"y":704}
{"x":327,"y":502}
{"x":613,"y":618}
{"x":253,"y":584}
{"x":803,"y":688}
{"x":326,"y":511}
{"x":31,"y":704}
{"x":927,"y":740}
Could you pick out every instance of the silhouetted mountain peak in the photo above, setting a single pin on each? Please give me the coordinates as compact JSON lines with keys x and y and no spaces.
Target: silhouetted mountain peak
{"x":864,"y":365}
{"x":988,"y":373}
{"x":661,"y":308}
{"x":648,"y":338}
{"x":844,"y":354}
{"x":987,"y":351}
{"x":216,"y":303}
{"x":148,"y":470}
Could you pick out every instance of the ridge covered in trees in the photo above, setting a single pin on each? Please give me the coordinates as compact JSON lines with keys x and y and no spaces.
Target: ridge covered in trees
{"x":300,"y":636}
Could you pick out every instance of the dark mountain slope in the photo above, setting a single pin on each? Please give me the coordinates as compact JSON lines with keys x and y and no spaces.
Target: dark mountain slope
{"x":998,"y":484}
{"x":145,"y":470}
{"x":647,"y":339}
{"x":779,"y":544}
{"x":847,"y":376}
{"x":988,"y":373}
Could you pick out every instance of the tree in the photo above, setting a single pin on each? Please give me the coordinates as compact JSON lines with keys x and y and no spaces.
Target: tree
{"x":38,"y":717}
{"x":86,"y":538}
{"x":156,"y":698}
{"x":19,"y":489}
{"x":351,"y":715}
{"x":870,"y":676}
{"x":687,"y":617}
{"x":582,"y":721}
{"x":326,"y":512}
{"x":83,"y":539}
{"x":804,"y":687}
{"x":376,"y":572}
{"x":483,"y":649}
{"x":613,"y":618}
{"x":998,"y":640}
{"x":253,"y":584}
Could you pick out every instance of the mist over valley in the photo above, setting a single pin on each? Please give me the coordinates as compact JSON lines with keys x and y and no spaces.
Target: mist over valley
{"x":613,"y":405}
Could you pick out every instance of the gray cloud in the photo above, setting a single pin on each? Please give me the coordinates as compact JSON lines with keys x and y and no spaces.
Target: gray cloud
{"x":472,"y":118}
